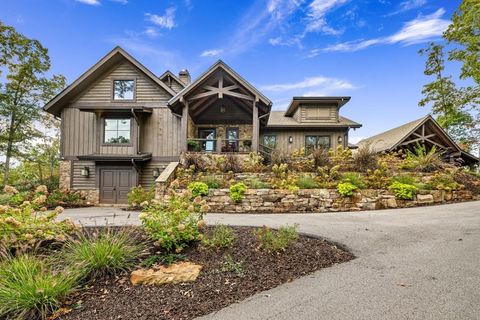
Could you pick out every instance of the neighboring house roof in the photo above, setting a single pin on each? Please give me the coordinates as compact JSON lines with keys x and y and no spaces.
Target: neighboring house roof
{"x":55,"y":105}
{"x":296,"y":101}
{"x":170,"y":74}
{"x":219,"y":65}
{"x":277,"y":119}
{"x":394,"y":138}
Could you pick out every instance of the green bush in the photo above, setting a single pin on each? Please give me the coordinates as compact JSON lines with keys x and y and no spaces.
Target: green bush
{"x":444,"y":181}
{"x":65,"y":198}
{"x":346,"y":189}
{"x":211,"y":182}
{"x":237,"y":191}
{"x":220,"y":237}
{"x":140,"y":197}
{"x":405,"y":179}
{"x":198,"y":189}
{"x":422,"y":160}
{"x":230,"y":265}
{"x":103,"y":253}
{"x":402,"y":190}
{"x":276,"y":240}
{"x":256,"y":183}
{"x":30,"y":287}
{"x":307,"y":182}
{"x":354,"y":178}
{"x":175,"y":224}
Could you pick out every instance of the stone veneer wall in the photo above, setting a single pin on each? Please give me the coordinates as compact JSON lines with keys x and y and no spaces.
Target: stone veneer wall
{"x":324,"y":200}
{"x":65,"y":174}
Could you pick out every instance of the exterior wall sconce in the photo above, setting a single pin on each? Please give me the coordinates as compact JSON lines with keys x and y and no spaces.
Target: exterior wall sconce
{"x":156,"y":172}
{"x":85,"y":172}
{"x":290,"y":139}
{"x":222,"y":109}
{"x":340,"y":140}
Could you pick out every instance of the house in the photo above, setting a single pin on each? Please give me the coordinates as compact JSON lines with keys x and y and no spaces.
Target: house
{"x":425,"y":131}
{"x":121,"y":124}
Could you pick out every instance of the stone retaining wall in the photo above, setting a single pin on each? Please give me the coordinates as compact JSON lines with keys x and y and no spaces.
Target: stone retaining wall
{"x":324,"y":200}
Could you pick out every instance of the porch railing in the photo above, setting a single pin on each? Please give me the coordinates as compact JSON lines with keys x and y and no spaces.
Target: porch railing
{"x":219,"y":145}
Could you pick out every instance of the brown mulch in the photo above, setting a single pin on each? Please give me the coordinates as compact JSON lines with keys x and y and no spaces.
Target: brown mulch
{"x":214,"y":289}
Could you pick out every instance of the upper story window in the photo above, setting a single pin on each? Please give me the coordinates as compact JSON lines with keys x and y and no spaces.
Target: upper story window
{"x":123,"y":89}
{"x":317,"y":142}
{"x":117,"y":131}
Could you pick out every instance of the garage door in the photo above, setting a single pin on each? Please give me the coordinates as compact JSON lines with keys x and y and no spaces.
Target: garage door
{"x":115,"y":185}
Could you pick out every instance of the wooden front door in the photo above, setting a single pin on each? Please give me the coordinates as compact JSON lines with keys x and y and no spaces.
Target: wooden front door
{"x":115,"y":185}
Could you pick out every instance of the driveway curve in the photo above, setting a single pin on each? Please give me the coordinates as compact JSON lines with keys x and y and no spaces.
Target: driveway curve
{"x":416,"y":263}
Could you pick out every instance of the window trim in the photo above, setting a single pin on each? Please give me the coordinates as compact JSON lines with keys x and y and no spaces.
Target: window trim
{"x":270,"y":135}
{"x":109,"y":144}
{"x":318,"y":136}
{"x":134,"y":79}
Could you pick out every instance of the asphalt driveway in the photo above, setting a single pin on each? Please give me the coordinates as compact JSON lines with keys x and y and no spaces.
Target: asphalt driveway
{"x":418,"y":263}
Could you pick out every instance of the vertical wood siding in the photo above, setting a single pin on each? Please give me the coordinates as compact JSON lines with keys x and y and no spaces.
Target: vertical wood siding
{"x":78,"y":132}
{"x":145,"y":89}
{"x":160,"y":133}
{"x":80,"y":182}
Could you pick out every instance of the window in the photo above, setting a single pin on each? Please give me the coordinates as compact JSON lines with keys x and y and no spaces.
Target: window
{"x":117,"y":131}
{"x":123,"y":89}
{"x":316,"y":142}
{"x":270,"y":141}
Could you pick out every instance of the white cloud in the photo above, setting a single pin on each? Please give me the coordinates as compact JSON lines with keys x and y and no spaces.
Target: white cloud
{"x":166,"y":21}
{"x":421,"y":29}
{"x":211,"y":53}
{"x":407,"y":5}
{"x":319,"y":85}
{"x":316,"y":15}
{"x":90,"y":2}
{"x":120,"y":1}
{"x":151,"y":32}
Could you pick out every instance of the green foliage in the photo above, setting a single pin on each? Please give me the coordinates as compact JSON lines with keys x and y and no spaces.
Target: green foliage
{"x":237,"y":191}
{"x":31,"y":288}
{"x":219,"y":238}
{"x":24,"y":228}
{"x":405,"y":178}
{"x":444,"y":181}
{"x":346,"y":189}
{"x":104,"y":253}
{"x":354,"y":178}
{"x":402,"y":190}
{"x":167,"y":259}
{"x":65,"y":198}
{"x":276,"y":240}
{"x":193,"y":145}
{"x":174,"y":224}
{"x":211,"y":182}
{"x":198,"y":189}
{"x":236,"y":267}
{"x":306,"y":181}
{"x":256,"y":183}
{"x":140,"y":197}
{"x":422,"y":160}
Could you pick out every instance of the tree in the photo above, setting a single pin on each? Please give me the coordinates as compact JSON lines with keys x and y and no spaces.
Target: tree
{"x":25,"y":90}
{"x":465,"y":33}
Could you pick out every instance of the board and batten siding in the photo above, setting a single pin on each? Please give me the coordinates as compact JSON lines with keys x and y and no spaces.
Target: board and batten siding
{"x":160,"y":133}
{"x":299,"y":138}
{"x":80,"y":182}
{"x":78,"y":132}
{"x":101,"y":91}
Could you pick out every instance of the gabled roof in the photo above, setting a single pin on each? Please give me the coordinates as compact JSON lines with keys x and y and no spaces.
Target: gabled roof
{"x":173,"y":76}
{"x":55,"y":105}
{"x":277,"y":119}
{"x":296,"y":101}
{"x":219,"y":65}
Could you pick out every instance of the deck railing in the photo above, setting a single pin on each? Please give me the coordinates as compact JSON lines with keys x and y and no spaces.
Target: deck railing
{"x":220,"y":145}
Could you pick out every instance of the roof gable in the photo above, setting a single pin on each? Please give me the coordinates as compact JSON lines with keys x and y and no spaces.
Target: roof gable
{"x":56,"y":104}
{"x":169,"y":75}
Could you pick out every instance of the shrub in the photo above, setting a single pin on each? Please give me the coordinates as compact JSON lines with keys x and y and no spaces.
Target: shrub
{"x":232,"y":164}
{"x":138,"y":196}
{"x":405,"y":179}
{"x":237,"y":191}
{"x":277,"y":157}
{"x":211,"y":182}
{"x":276,"y":240}
{"x":365,"y":159}
{"x":24,"y":228}
{"x":220,"y":237}
{"x":198,"y":189}
{"x":196,"y":161}
{"x":306,"y":182}
{"x":254,"y":163}
{"x":255,"y":183}
{"x":354,"y":178}
{"x":193,"y":145}
{"x":346,"y":189}
{"x":176,"y":223}
{"x":422,"y":160}
{"x":66,"y":199}
{"x":103,"y":253}
{"x":444,"y":181}
{"x":402,"y":190}
{"x":321,"y":157}
{"x":230,"y":265}
{"x":30,"y":288}
{"x":327,"y":176}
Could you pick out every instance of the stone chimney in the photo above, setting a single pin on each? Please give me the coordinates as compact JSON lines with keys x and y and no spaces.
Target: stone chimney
{"x":184,"y":76}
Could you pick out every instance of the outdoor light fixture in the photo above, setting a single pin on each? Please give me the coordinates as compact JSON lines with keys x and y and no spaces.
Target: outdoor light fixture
{"x":340,"y":139}
{"x":156,"y":172}
{"x":290,"y":139}
{"x":85,"y":172}
{"x":222,"y":109}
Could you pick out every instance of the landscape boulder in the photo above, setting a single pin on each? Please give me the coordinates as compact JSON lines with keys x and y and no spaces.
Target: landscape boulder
{"x":175,"y":273}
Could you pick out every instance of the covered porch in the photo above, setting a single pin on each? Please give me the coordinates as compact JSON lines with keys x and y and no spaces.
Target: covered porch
{"x":220,"y":113}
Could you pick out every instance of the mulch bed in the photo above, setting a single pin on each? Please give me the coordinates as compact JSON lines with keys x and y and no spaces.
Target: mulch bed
{"x":214,"y":289}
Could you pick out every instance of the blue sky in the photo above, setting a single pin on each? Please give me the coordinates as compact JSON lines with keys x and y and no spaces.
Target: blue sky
{"x":366,"y":49}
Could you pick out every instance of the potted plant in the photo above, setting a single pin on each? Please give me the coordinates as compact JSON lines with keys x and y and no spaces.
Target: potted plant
{"x":193,"y":145}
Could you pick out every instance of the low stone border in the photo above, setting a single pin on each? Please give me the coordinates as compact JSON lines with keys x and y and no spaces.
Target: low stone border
{"x":324,"y":200}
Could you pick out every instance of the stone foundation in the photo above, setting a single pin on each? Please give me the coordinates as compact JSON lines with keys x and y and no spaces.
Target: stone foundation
{"x":324,"y":200}
{"x":91,"y":195}
{"x":65,"y":174}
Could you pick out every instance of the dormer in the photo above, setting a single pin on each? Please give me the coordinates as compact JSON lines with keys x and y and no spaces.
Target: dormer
{"x":316,"y":109}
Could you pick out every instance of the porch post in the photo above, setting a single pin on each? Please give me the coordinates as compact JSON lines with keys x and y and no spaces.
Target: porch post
{"x":255,"y":131}
{"x":183,"y":127}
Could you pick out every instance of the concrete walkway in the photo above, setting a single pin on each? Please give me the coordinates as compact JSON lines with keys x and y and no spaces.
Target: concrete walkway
{"x":418,"y":263}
